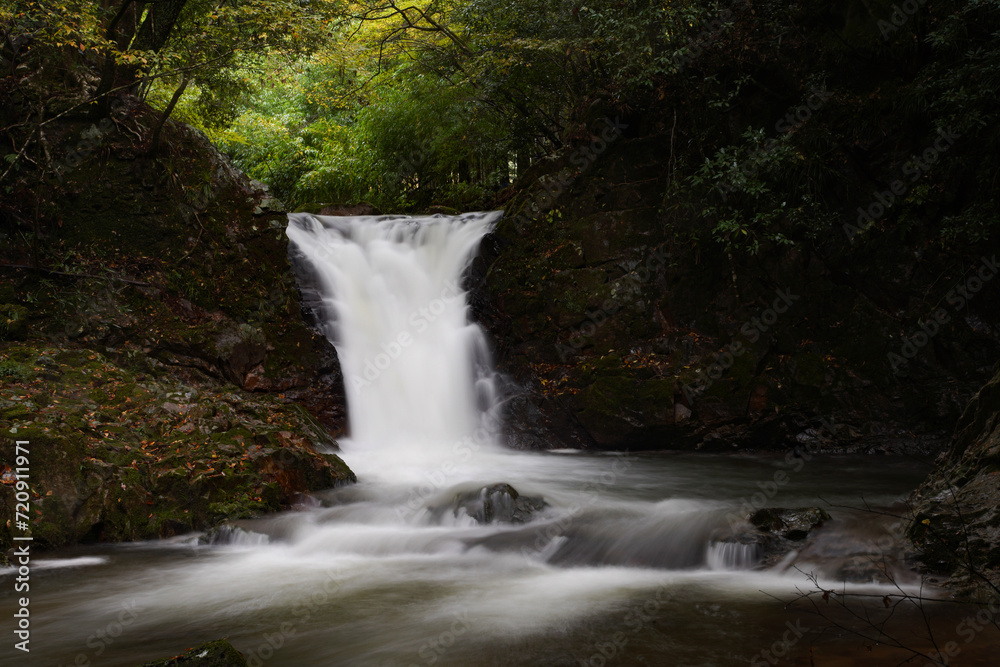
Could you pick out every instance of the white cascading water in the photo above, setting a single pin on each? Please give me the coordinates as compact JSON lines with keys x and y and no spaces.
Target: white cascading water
{"x":416,"y":371}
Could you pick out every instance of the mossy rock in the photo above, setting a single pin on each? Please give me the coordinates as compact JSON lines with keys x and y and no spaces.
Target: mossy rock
{"x":119,"y":456}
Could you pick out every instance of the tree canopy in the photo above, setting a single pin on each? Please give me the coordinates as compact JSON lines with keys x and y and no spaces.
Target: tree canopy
{"x":782,"y":116}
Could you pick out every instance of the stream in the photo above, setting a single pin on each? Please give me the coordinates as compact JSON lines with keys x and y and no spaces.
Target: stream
{"x":595,"y":559}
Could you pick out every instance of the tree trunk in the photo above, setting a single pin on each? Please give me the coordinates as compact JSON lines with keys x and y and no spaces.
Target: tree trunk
{"x":151,"y":35}
{"x":120,"y":30}
{"x":159,"y":23}
{"x":155,"y":142}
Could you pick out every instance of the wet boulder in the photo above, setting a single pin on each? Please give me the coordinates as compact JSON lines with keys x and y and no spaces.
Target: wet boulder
{"x":955,"y":513}
{"x":218,"y":346}
{"x":496,"y":503}
{"x":790,"y":524}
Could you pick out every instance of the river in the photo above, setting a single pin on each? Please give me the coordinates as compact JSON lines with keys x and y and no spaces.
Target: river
{"x":602,"y":559}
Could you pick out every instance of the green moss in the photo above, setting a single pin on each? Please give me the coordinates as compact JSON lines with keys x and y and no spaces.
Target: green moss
{"x":11,"y":371}
{"x":656,"y":393}
{"x":608,"y":364}
{"x":98,"y":396}
{"x":19,"y":355}
{"x":574,"y":292}
{"x":98,"y":450}
{"x":15,"y":413}
{"x":242,"y":506}
{"x":608,"y":394}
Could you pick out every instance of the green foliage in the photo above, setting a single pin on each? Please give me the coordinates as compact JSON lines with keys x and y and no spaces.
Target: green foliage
{"x":755,"y":193}
{"x":407,"y":145}
{"x":754,"y":188}
{"x":642,"y":42}
{"x":959,"y":86}
{"x":49,"y":45}
{"x":302,"y":157}
{"x":218,"y":46}
{"x":418,"y":139}
{"x":444,"y":102}
{"x":436,"y":102}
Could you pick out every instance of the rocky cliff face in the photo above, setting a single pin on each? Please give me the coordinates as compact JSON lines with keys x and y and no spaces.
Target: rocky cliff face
{"x":956,"y":512}
{"x":624,"y":326}
{"x":157,"y":360}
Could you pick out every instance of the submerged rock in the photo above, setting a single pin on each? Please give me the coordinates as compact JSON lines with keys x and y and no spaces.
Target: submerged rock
{"x":219,"y":653}
{"x":497,"y":503}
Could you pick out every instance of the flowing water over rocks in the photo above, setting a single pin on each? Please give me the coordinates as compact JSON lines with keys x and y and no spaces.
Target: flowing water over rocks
{"x":452,"y":550}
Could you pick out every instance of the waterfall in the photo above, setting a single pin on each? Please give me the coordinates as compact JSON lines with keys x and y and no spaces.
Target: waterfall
{"x":388,"y":294}
{"x":732,"y":556}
